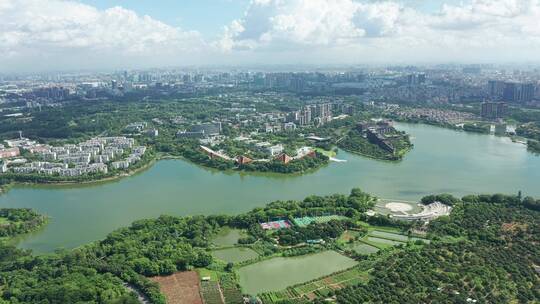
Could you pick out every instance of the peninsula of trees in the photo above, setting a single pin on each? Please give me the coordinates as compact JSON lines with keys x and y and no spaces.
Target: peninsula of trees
{"x":14,"y":222}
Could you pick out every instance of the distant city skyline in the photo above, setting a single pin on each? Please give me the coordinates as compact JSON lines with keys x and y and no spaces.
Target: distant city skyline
{"x":45,"y":35}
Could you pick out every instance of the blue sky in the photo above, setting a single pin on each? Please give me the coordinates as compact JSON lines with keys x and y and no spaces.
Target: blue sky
{"x":72,"y":34}
{"x":206,"y":16}
{"x":210,"y":16}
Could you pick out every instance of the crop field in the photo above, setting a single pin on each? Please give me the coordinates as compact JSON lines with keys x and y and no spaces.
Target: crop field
{"x":320,"y":287}
{"x":231,"y":292}
{"x":389,"y":235}
{"x":382,"y":241}
{"x":420,"y":239}
{"x":211,"y":293}
{"x":348,"y":235}
{"x":180,"y":288}
{"x":395,"y":236}
{"x":364,"y":248}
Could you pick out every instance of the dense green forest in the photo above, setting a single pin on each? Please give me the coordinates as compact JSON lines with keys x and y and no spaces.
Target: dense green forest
{"x":19,"y":221}
{"x":295,"y":166}
{"x":487,"y":251}
{"x":96,"y":272}
{"x":354,"y":142}
{"x":477,"y":128}
{"x":532,"y":132}
{"x":444,"y":198}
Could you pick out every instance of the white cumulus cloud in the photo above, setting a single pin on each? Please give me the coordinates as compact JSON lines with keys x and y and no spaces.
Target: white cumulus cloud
{"x":45,"y":30}
{"x":469,"y":30}
{"x":66,"y":34}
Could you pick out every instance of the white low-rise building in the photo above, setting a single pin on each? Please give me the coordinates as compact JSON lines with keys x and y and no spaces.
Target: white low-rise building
{"x":275,"y":150}
{"x":120,"y":164}
{"x":97,"y":168}
{"x":76,"y":158}
{"x":48,"y":156}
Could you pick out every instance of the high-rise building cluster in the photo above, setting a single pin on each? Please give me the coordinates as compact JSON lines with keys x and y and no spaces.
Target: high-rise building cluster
{"x":416,"y":79}
{"x":319,"y":114}
{"x":401,"y":84}
{"x":494,"y":110}
{"x":511,"y":91}
{"x":53,"y":93}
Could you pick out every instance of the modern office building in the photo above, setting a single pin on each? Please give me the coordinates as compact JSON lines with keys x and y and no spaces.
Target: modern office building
{"x":493,"y":110}
{"x":495,"y":89}
{"x":518,"y":92}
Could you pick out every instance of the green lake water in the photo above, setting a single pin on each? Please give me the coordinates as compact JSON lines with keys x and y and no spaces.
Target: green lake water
{"x":442,"y":161}
{"x":279,"y":273}
{"x":235,"y":255}
{"x":227,"y":237}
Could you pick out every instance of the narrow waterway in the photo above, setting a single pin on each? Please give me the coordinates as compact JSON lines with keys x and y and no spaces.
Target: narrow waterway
{"x":442,"y":161}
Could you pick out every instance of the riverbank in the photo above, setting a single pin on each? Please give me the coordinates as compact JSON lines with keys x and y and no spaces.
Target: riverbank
{"x":378,"y":140}
{"x":16,"y":222}
{"x":181,"y":187}
{"x":6,"y":187}
{"x":245,"y":170}
{"x":353,"y":244}
{"x":362,"y":147}
{"x":533,"y":145}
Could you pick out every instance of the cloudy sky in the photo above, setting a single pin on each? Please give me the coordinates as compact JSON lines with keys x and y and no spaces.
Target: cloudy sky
{"x":37,"y":35}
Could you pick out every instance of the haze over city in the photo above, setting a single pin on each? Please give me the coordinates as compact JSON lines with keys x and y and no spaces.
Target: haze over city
{"x":44,"y":35}
{"x":269,"y":151}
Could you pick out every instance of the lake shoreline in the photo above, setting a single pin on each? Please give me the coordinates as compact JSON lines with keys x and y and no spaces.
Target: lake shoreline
{"x":392,"y":161}
{"x":5,"y":188}
{"x":178,"y":187}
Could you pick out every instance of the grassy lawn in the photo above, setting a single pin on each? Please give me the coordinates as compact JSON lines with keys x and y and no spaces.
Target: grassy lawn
{"x":326,"y":152}
{"x":203,"y":272}
{"x":347,"y":236}
{"x":389,"y":235}
{"x":375,"y":244}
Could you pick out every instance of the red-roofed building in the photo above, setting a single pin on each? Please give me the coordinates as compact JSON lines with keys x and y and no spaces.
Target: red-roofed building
{"x":311,"y":154}
{"x":243,"y":160}
{"x":284,"y":158}
{"x":11,"y":152}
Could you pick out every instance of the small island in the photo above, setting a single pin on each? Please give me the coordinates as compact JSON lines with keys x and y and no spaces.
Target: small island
{"x":275,"y":160}
{"x":379,"y":140}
